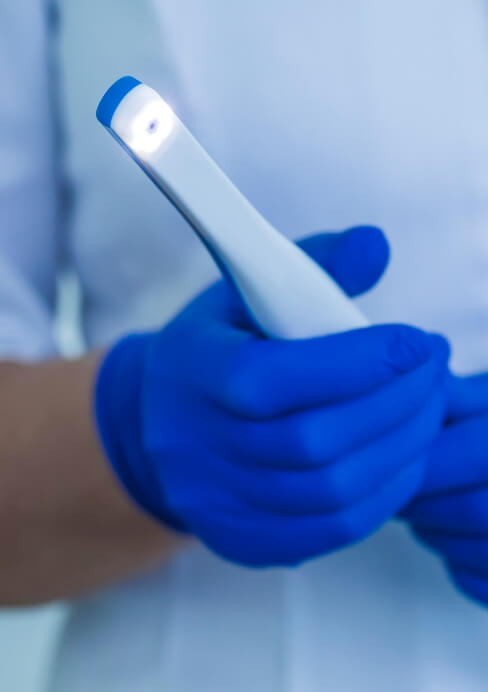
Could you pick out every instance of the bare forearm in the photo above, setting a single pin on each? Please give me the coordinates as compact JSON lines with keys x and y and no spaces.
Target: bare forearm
{"x":65,"y":524}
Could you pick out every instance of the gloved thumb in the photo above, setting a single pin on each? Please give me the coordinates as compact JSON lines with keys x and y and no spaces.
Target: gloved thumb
{"x":355,"y":258}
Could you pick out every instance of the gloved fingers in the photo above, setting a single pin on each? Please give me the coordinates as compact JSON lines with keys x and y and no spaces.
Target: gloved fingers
{"x":463,"y":513}
{"x":465,"y":552}
{"x":355,"y":258}
{"x":471,"y":584}
{"x":265,"y":539}
{"x":467,"y":396}
{"x":265,"y":378}
{"x":316,"y":437}
{"x":329,"y":488}
{"x":459,"y":458}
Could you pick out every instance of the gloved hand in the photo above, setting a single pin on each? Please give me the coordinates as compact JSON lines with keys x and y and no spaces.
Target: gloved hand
{"x":450,"y":515}
{"x":274,"y":451}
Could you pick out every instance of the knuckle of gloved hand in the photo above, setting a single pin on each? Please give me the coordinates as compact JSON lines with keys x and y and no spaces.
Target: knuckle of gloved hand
{"x":337,"y":487}
{"x":245,"y":390}
{"x":306,"y":440}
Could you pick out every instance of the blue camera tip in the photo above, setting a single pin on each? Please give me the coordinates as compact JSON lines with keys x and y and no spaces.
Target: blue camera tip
{"x":109,"y":103}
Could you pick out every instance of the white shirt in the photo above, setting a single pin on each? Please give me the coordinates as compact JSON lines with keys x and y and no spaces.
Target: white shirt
{"x":325,"y":115}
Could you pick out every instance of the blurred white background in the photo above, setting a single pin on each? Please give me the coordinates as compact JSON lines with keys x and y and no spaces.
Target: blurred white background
{"x":27,"y":642}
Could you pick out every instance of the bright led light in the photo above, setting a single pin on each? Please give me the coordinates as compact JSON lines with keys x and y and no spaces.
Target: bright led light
{"x":151,"y":127}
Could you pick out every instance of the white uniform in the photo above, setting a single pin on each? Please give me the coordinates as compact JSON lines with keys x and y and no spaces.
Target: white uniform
{"x":326,"y":115}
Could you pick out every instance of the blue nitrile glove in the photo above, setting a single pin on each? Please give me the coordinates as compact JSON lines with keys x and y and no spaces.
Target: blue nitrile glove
{"x":274,"y":451}
{"x":451,"y":513}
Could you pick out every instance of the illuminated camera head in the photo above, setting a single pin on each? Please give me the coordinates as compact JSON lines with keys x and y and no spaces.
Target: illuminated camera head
{"x":136,"y":114}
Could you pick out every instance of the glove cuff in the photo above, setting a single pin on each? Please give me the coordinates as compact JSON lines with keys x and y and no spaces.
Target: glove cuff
{"x":117,"y":407}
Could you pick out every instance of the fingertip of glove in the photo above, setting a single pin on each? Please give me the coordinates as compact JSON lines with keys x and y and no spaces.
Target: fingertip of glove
{"x":441,"y":348}
{"x":361,"y":256}
{"x":370,"y":237}
{"x":410,"y":347}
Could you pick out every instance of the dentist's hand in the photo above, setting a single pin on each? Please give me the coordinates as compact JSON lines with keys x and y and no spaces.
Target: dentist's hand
{"x":273,"y":452}
{"x":451,"y":513}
